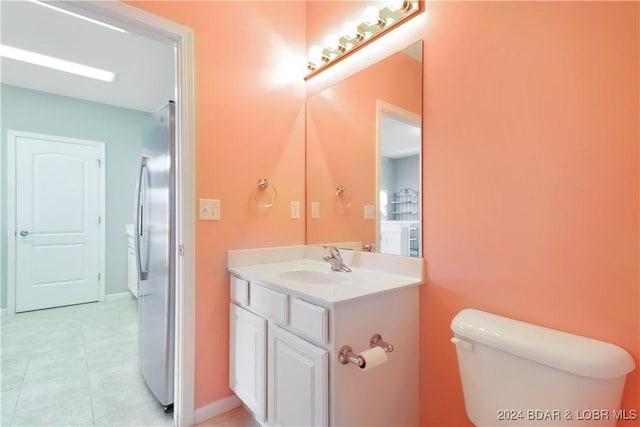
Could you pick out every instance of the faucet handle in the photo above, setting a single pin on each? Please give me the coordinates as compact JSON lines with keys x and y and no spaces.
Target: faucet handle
{"x":333,"y":251}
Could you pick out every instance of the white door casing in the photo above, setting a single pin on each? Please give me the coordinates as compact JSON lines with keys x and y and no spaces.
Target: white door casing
{"x":56,"y":221}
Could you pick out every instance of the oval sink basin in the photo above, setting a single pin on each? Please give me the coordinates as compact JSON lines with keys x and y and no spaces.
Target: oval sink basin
{"x":315,"y":276}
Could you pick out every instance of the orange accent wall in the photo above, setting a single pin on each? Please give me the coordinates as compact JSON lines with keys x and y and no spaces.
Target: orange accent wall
{"x":249,"y":124}
{"x":530,"y":175}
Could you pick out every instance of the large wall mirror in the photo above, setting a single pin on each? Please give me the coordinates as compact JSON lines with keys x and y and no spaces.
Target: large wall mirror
{"x":364,"y":148}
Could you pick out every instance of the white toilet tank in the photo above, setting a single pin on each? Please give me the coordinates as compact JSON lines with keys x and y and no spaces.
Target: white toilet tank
{"x":518,"y":374}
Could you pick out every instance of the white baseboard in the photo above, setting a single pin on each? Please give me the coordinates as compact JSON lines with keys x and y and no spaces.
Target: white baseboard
{"x":216,"y":408}
{"x":110,"y":297}
{"x":121,"y":295}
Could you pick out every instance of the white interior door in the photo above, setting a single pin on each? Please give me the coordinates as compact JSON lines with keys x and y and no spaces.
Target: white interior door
{"x":57,"y":221}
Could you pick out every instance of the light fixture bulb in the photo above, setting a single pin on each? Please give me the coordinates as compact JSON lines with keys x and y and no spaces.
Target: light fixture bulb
{"x":395,"y":4}
{"x":315,"y":54}
{"x":371,"y":15}
{"x":350,"y":30}
{"x":332,"y":42}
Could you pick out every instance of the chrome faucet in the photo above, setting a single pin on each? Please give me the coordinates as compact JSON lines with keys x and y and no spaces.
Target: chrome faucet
{"x":335,"y":259}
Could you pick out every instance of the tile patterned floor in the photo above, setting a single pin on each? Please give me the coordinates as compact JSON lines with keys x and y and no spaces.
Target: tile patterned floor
{"x":75,"y":366}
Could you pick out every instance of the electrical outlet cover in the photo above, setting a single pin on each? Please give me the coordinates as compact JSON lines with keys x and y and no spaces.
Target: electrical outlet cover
{"x":315,"y":210}
{"x":368,"y":212}
{"x":295,"y":209}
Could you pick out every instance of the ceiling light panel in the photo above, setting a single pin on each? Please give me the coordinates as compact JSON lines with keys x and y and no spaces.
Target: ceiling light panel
{"x":56,"y":63}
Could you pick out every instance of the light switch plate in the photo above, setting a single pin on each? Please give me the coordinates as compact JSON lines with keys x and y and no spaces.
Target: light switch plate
{"x":315,"y":210}
{"x":209,"y":209}
{"x":295,"y":209}
{"x":368,"y":212}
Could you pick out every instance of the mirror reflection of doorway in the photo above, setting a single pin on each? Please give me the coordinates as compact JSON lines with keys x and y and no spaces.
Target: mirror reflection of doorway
{"x":400,"y":139}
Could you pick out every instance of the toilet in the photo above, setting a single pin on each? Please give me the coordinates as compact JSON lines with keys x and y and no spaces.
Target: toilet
{"x":518,"y":374}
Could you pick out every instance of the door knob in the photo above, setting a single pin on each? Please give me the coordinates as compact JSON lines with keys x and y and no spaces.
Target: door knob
{"x":24,"y":233}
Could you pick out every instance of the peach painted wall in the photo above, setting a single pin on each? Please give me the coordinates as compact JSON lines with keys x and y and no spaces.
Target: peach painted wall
{"x":530,"y":176}
{"x":249,"y":124}
{"x":341,"y":145}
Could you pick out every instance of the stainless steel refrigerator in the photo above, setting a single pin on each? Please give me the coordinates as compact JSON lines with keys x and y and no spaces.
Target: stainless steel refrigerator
{"x":155,"y":252}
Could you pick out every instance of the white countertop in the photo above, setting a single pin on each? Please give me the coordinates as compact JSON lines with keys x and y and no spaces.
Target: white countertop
{"x":371,"y":273}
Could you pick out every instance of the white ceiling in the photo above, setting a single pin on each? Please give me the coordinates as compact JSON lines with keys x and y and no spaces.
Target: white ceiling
{"x":144,"y":67}
{"x":399,"y":138}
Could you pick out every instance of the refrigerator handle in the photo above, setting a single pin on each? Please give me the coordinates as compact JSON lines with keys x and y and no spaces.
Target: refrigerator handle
{"x":142,"y":274}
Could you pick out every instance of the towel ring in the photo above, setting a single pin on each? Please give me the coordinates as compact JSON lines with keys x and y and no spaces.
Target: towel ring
{"x":341,"y":191}
{"x":263,"y":184}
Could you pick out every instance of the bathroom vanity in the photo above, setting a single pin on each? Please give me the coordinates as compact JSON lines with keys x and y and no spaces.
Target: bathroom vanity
{"x":290,"y":317}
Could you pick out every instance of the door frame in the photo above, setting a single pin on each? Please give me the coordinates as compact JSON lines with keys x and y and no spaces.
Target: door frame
{"x":151,"y":25}
{"x":12,"y":136}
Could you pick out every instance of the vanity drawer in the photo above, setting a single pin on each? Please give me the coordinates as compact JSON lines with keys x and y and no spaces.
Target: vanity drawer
{"x":239,"y":291}
{"x":269,"y":303}
{"x":309,"y":320}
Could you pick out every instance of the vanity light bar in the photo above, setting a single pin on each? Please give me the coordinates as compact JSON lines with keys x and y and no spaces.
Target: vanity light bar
{"x":374,"y":23}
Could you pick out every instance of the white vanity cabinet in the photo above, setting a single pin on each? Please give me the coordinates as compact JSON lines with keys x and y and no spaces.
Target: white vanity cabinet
{"x":290,"y":307}
{"x":269,"y":366}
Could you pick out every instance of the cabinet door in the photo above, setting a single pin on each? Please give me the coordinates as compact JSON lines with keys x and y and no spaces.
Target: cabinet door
{"x":298,"y":381}
{"x":247,"y":361}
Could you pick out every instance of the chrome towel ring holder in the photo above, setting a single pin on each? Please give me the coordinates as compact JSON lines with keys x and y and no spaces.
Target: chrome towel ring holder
{"x":345,"y":194}
{"x":263,"y":185}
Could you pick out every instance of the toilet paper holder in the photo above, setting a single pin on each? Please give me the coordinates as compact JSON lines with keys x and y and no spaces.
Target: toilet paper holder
{"x":346,"y":354}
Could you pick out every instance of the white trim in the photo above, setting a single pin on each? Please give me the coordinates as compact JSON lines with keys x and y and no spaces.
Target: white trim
{"x":142,"y":22}
{"x":216,"y":408}
{"x":11,"y":227}
{"x":2,"y":242}
{"x":103,"y":221}
{"x":186,"y":232}
{"x":118,"y":296}
{"x":383,"y":107}
{"x":3,"y":311}
{"x":12,"y":136}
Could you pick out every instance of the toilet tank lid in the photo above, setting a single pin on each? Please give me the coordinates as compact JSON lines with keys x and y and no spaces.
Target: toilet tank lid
{"x":561,"y":350}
